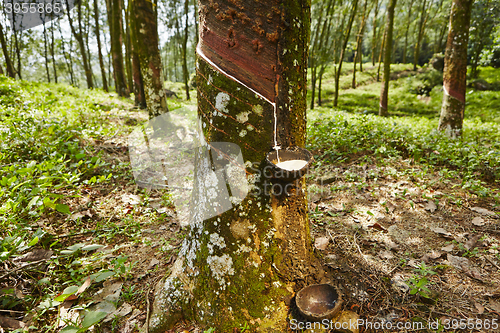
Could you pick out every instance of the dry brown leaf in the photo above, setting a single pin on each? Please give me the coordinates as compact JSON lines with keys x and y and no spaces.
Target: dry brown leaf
{"x":131,"y":199}
{"x":386,"y":255}
{"x":378,"y":227}
{"x":35,"y":255}
{"x":153,"y":263}
{"x":479,"y":307}
{"x":430,"y":206}
{"x":483,"y":211}
{"x":442,"y":232}
{"x":494,"y":305}
{"x":448,"y":248}
{"x":83,"y":287}
{"x":478,"y":221}
{"x":472,"y":243}
{"x":321,"y":243}
{"x":10,"y":323}
{"x":431,"y":256}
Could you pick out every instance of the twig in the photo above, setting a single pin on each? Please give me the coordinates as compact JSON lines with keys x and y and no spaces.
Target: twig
{"x":147,"y":310}
{"x":34,"y":263}
{"x":492,"y":262}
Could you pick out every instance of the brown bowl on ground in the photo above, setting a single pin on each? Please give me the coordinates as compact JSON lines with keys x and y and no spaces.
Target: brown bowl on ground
{"x":319,"y":301}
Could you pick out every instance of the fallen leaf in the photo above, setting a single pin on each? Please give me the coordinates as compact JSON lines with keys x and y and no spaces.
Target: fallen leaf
{"x":478,"y":221}
{"x":390,"y":206}
{"x":430,"y":206}
{"x":386,"y":255}
{"x":431,"y":256}
{"x":83,"y":287}
{"x":321,"y":243}
{"x":378,"y":227}
{"x":111,"y":292}
{"x":472,"y":243}
{"x":35,"y":255}
{"x":412,"y":263}
{"x":65,"y":315}
{"x":153,"y":263}
{"x":11,"y":323}
{"x":483,"y":211}
{"x":494,"y":305}
{"x":131,"y":199}
{"x":458,"y":262}
{"x":442,"y":232}
{"x":448,"y":248}
{"x":124,"y":310}
{"x":479,"y":307}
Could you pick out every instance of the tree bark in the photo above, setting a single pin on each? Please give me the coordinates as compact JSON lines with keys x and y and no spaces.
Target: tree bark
{"x":185,"y":72}
{"x":374,"y":37}
{"x":81,"y":43}
{"x":146,"y":45}
{"x":115,"y":27}
{"x":52,"y":52}
{"x":342,"y":52}
{"x":242,"y":267}
{"x":359,"y":44}
{"x":420,"y":35}
{"x":99,"y":47}
{"x":139,"y":95}
{"x":387,"y":59}
{"x":45,"y":54}
{"x":455,"y":69}
{"x":8,"y":63}
{"x":128,"y":48}
{"x":18,"y":50}
{"x":408,"y":22}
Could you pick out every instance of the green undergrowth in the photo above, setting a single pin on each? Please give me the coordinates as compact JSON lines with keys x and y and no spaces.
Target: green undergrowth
{"x":47,"y":133}
{"x":474,"y":159}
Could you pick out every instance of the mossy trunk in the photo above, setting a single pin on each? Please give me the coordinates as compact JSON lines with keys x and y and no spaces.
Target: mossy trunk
{"x":244,"y":265}
{"x":455,"y":69}
{"x":115,"y":27}
{"x":146,"y":45}
{"x":384,"y":94}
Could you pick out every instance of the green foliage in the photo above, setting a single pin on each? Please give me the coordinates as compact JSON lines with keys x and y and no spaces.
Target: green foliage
{"x":474,"y":159}
{"x":418,"y":282}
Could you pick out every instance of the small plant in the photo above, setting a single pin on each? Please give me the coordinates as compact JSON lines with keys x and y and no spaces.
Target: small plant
{"x":210,"y":330}
{"x":244,"y":327}
{"x":418,"y":282}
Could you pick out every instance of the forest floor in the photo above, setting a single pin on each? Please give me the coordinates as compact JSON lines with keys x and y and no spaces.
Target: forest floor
{"x":408,"y":220}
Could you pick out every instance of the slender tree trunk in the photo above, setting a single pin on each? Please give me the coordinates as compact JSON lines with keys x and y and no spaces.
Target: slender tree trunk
{"x":52,"y":53}
{"x":381,"y":52}
{"x":185,"y":72}
{"x":9,"y":67}
{"x":374,"y":37}
{"x":313,"y":84}
{"x":455,"y":69}
{"x":421,"y":27}
{"x":146,"y":45}
{"x":18,"y":50}
{"x":408,"y":22}
{"x":67,"y":57}
{"x":359,"y":40}
{"x":242,"y":266}
{"x":45,"y":53}
{"x":1,"y":70}
{"x":196,"y":21}
{"x":81,"y":43}
{"x":99,"y":48}
{"x":387,"y":59}
{"x":342,"y":52}
{"x":321,"y":72}
{"x":128,"y":48}
{"x":139,"y":95}
{"x":114,"y":19}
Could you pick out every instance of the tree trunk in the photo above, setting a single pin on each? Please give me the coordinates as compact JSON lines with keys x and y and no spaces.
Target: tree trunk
{"x":99,"y":48}
{"x":139,"y":96}
{"x":374,"y":37}
{"x":359,"y":42}
{"x":342,"y":52}
{"x":128,"y":48}
{"x":114,"y":19}
{"x":146,"y":46}
{"x":381,"y":52}
{"x":421,"y":28}
{"x":455,"y":69}
{"x":52,"y":52}
{"x":67,"y":57}
{"x":321,"y":72}
{"x":18,"y":50}
{"x":408,"y":22}
{"x":8,"y":63}
{"x":45,"y":54}
{"x":81,"y":43}
{"x":387,"y":59}
{"x":185,"y":72}
{"x":242,"y":266}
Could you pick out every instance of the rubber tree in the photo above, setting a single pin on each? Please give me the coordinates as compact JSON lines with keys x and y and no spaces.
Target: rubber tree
{"x":455,"y":69}
{"x":99,"y":48}
{"x":384,"y":94}
{"x":243,"y":265}
{"x":8,"y":62}
{"x":145,"y":44}
{"x":115,"y":28}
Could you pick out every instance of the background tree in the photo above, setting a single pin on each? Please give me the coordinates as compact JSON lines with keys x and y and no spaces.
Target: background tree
{"x":8,"y":62}
{"x":99,"y":47}
{"x":146,"y":45}
{"x":387,"y":59}
{"x":455,"y":69}
{"x":115,"y":28}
